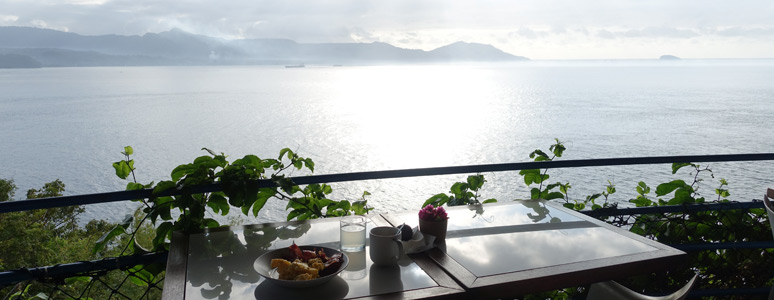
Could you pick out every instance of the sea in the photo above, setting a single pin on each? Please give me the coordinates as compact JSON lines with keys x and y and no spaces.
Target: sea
{"x":73,"y":123}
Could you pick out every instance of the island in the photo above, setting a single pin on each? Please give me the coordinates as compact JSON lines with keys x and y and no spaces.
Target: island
{"x":669,"y":57}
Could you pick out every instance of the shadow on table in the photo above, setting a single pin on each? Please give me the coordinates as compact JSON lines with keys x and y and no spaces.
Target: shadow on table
{"x":219,"y":258}
{"x":337,"y":288}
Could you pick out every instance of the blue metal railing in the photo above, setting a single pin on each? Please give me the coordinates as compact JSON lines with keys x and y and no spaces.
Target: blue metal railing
{"x":10,"y":277}
{"x":22,"y":205}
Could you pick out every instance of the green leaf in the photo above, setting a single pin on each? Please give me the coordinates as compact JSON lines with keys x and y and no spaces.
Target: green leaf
{"x":666,"y":188}
{"x":309,"y":164}
{"x":140,"y":276}
{"x":610,"y":189}
{"x":218,"y":203}
{"x":558,"y":148}
{"x":489,"y":201}
{"x":122,"y":169}
{"x":180,"y":171}
{"x":682,"y":196}
{"x":253,"y":161}
{"x":343,"y":204}
{"x":593,"y":197}
{"x":164,"y":230}
{"x":298,"y":164}
{"x":677,"y":166}
{"x":110,"y":235}
{"x":530,"y":176}
{"x":476,"y":182}
{"x":202,"y":160}
{"x":539,"y":155}
{"x":642,"y":188}
{"x":534,"y":193}
{"x":163,"y":208}
{"x":296,"y":212}
{"x":285,"y":151}
{"x":132,"y":186}
{"x":261,"y":198}
{"x":360,"y":207}
{"x":163,"y":186}
{"x":641,"y":201}
{"x":459,"y":188}
{"x":436,"y":200}
{"x":553,"y":195}
{"x":128,"y":150}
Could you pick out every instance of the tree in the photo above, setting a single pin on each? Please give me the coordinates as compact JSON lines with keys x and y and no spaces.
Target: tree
{"x":45,"y":236}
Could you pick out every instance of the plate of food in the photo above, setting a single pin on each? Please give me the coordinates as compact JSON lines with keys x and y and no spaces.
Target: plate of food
{"x":301,"y":266}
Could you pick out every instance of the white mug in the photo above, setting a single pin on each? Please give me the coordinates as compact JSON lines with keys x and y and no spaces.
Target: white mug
{"x":386,"y":248}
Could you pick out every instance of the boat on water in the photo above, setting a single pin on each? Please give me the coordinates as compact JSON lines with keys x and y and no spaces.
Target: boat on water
{"x":295,"y":66}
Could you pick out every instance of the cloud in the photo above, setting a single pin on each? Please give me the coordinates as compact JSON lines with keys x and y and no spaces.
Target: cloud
{"x":525,"y":33}
{"x":413,"y":24}
{"x":8,"y":19}
{"x":602,"y":33}
{"x":86,"y":2}
{"x":738,"y":31}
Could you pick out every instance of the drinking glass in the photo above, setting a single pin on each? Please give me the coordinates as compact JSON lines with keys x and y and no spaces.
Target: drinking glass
{"x":353,"y":233}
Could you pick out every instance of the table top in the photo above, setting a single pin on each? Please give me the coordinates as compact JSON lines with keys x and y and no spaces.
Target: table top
{"x":491,"y":251}
{"x":520,"y":247}
{"x":218,"y":264}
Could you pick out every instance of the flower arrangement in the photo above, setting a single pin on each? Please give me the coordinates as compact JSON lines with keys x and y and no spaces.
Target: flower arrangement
{"x":433,"y":214}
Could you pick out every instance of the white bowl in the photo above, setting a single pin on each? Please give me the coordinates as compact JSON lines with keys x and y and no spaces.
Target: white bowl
{"x":263,"y":266}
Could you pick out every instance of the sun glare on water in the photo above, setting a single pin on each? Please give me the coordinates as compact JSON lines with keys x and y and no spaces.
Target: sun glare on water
{"x":421,"y":118}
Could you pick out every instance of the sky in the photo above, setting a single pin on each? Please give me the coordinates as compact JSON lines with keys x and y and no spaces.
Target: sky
{"x":537,"y":29}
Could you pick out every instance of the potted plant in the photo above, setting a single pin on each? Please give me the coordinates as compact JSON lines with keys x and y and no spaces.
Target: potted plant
{"x":433,"y":221}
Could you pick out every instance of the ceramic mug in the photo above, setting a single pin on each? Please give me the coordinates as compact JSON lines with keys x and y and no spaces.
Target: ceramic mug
{"x":385,"y":248}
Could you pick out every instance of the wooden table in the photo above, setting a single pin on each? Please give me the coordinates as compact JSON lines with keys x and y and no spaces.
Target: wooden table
{"x":522,"y":247}
{"x":218,"y":264}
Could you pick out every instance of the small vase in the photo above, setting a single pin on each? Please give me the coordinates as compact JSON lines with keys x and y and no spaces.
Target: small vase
{"x":434,"y":228}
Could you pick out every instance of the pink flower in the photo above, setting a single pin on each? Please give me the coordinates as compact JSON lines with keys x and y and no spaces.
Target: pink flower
{"x":430,"y":213}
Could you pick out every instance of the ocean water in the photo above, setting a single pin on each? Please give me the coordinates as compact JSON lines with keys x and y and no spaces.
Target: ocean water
{"x":72,"y":123}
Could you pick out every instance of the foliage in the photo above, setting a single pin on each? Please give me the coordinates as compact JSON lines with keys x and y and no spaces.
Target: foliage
{"x":247,"y":184}
{"x":7,"y":189}
{"x":461,"y":193}
{"x":536,"y":176}
{"x":49,"y":237}
{"x":719,"y":269}
{"x":53,"y":233}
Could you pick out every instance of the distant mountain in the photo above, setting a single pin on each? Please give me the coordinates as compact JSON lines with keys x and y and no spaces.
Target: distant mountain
{"x":18,"y":61}
{"x":470,"y":52}
{"x":176,"y":47}
{"x":669,"y":57}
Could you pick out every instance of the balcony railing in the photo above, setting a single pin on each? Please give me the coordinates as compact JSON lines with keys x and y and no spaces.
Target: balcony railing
{"x":614,"y":215}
